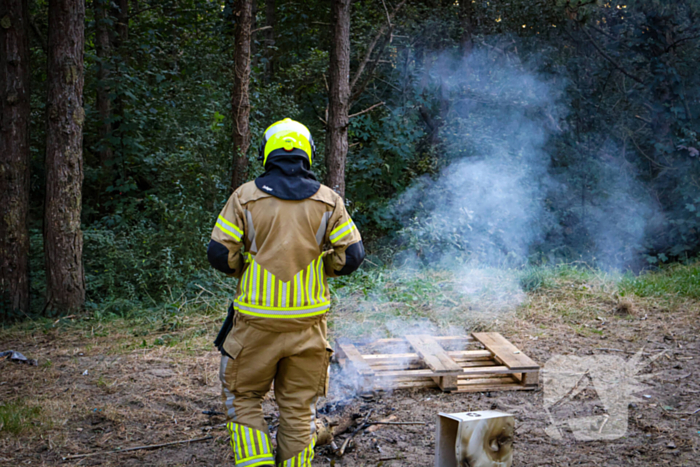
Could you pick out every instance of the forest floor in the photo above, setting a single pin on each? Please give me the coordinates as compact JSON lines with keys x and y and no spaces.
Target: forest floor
{"x":102,"y":385}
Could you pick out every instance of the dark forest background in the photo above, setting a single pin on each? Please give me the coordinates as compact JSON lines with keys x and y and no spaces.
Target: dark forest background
{"x":619,"y":125}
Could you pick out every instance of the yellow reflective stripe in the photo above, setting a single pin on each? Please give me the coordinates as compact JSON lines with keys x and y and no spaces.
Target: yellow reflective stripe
{"x":231,"y":224}
{"x":243,"y":282}
{"x":300,"y":315}
{"x":250,"y":442}
{"x":312,"y":275}
{"x":342,"y":231}
{"x":282,"y":309}
{"x":257,"y":283}
{"x":244,"y":443}
{"x":261,"y":447}
{"x":228,"y":231}
{"x":232,"y":441}
{"x":288,"y":286}
{"x":321,"y":272}
{"x":250,"y":280}
{"x":249,"y":452}
{"x":261,"y":290}
{"x":340,"y":227}
{"x":304,"y":287}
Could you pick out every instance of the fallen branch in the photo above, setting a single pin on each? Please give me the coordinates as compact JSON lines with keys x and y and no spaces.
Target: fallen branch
{"x":137,"y":448}
{"x":366,"y":110}
{"x":357,"y":430}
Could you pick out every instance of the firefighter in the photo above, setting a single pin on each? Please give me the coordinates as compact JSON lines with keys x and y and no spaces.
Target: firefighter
{"x":282,"y":235}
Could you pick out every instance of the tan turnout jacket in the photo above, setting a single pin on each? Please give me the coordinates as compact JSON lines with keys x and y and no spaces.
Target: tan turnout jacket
{"x":283,"y":251}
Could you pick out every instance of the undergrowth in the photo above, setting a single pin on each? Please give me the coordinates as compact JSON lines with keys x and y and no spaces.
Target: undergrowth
{"x":16,"y":416}
{"x":384,"y":300}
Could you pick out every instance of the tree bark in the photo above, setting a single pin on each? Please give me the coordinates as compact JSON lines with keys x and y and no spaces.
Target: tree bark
{"x":121,"y":23}
{"x":271,"y":21}
{"x":63,"y":239}
{"x":338,"y":97}
{"x":240,"y":103}
{"x":14,"y":158}
{"x":104,"y":105}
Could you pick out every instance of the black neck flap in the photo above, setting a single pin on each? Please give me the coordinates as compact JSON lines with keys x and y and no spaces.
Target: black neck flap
{"x":288,"y":176}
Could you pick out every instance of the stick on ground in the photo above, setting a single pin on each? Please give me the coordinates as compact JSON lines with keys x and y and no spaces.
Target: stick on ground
{"x":137,"y":448}
{"x":357,"y":430}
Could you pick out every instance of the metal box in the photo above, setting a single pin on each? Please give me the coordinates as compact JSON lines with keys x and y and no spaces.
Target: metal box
{"x":474,"y":439}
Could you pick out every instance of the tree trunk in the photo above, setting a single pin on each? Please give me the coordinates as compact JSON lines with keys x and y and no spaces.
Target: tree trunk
{"x":270,"y":21}
{"x":338,"y":97}
{"x":14,"y":158}
{"x":104,"y":105}
{"x":240,"y":104}
{"x":63,"y":239}
{"x":121,"y":23}
{"x":466,"y":18}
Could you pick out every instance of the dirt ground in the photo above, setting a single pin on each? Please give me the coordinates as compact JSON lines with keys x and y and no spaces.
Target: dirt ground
{"x":133,"y":396}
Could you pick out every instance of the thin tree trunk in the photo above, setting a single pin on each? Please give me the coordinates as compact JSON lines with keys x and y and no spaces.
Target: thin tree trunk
{"x":338,"y":97}
{"x":14,"y":158}
{"x":122,"y":21}
{"x":104,"y":105}
{"x":240,"y":104}
{"x":271,"y":21}
{"x":63,"y":239}
{"x":466,"y":18}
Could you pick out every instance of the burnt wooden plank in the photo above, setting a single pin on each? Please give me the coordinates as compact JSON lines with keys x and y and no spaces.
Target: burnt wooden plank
{"x":505,"y":352}
{"x":434,"y":355}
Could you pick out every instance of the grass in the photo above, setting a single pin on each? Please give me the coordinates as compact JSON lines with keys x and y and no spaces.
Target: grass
{"x":676,"y":281}
{"x":16,"y":417}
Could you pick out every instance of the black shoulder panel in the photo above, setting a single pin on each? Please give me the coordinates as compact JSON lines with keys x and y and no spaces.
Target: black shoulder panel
{"x":218,"y":257}
{"x":354,"y":255}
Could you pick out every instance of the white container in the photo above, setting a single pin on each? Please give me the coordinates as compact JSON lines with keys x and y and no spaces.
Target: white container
{"x":474,"y":439}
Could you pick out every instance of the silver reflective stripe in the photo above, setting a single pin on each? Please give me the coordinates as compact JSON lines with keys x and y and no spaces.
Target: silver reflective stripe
{"x":298,"y":287}
{"x":222,"y":368}
{"x":268,"y":292}
{"x":321,"y":232}
{"x":291,"y":126}
{"x":264,"y":443}
{"x":230,"y":409}
{"x":302,"y":458}
{"x":254,"y":288}
{"x":229,"y":230}
{"x":310,"y":280}
{"x":321,"y":287}
{"x":283,"y":298}
{"x":249,"y":440}
{"x":251,"y":231}
{"x":346,"y":230}
{"x":320,"y":307}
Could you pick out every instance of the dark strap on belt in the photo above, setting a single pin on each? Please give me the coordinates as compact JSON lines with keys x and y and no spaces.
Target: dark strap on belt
{"x":225,"y":329}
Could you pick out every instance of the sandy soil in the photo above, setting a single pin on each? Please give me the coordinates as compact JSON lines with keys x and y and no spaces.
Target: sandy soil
{"x":155,"y":395}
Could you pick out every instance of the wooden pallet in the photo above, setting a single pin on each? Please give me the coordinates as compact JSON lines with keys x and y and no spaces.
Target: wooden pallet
{"x":484,"y":361}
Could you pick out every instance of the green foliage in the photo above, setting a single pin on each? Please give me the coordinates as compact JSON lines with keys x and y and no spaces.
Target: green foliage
{"x":680,"y":280}
{"x":625,"y":134}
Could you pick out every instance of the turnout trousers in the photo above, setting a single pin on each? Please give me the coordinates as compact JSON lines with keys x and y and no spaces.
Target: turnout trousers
{"x":297,"y":362}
